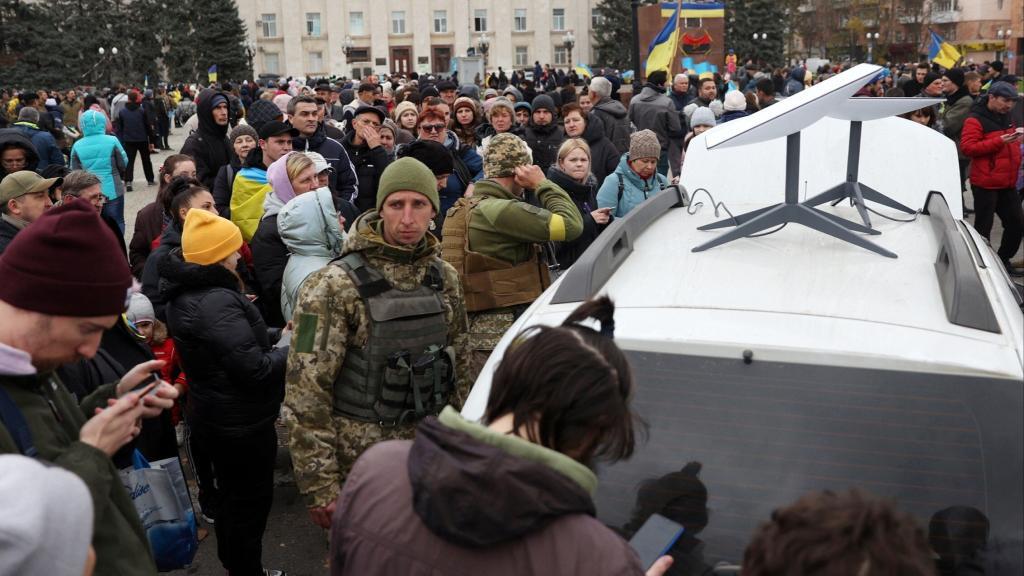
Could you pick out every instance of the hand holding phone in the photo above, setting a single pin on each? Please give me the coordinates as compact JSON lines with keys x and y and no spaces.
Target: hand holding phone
{"x":655,"y":538}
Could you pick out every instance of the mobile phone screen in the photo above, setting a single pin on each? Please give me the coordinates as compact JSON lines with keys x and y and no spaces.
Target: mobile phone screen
{"x":655,"y":538}
{"x":154,"y":378}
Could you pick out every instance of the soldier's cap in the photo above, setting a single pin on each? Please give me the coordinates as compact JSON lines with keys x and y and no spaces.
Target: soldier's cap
{"x":504,"y":153}
{"x":24,"y":182}
{"x":408,"y":175}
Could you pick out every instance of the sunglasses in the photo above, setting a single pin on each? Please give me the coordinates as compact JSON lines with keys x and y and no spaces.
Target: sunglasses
{"x":432,"y":128}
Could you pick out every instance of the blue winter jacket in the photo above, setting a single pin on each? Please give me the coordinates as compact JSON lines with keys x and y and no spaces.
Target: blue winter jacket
{"x":46,"y":145}
{"x":634,"y":189}
{"x":100,"y":154}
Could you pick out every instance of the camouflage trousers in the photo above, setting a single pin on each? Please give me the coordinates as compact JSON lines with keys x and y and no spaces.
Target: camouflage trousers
{"x":354,"y":437}
{"x":485,"y":330}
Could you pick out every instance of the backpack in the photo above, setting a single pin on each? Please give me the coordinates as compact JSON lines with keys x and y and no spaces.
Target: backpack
{"x":14,"y":420}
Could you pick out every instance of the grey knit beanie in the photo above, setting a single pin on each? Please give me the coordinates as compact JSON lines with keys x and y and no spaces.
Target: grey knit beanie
{"x":243,"y":130}
{"x":644,"y":144}
{"x":702,"y":116}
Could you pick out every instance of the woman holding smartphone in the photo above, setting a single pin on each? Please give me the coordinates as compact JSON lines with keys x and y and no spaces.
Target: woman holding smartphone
{"x":572,"y":174}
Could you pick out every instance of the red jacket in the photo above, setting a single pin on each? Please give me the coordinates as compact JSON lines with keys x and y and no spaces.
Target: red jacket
{"x":994,"y":163}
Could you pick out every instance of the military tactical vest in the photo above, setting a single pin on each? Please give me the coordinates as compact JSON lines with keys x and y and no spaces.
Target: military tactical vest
{"x":406,"y":370}
{"x":489,"y":283}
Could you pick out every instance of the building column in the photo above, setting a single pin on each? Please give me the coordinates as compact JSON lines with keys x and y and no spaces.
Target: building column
{"x":291,"y":59}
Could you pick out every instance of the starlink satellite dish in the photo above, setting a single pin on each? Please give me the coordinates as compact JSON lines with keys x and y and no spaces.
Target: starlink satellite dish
{"x":858,"y":111}
{"x":788,"y":118}
{"x":793,"y":114}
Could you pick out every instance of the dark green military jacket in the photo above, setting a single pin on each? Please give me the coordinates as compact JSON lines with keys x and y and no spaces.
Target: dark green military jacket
{"x":54,"y":419}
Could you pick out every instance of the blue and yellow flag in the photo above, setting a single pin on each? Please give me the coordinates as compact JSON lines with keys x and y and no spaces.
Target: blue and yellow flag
{"x":583,"y":71}
{"x":663,"y":47}
{"x":943,"y":53}
{"x":211,"y":74}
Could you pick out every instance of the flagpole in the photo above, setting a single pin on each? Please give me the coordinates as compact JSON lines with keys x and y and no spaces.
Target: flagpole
{"x":635,"y":6}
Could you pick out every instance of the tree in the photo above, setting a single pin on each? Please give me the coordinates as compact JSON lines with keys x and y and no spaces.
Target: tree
{"x":767,"y":19}
{"x":219,"y":39}
{"x":613,"y":37}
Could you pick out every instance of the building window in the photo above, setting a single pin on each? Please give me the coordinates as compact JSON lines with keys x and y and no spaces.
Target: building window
{"x":558,"y":19}
{"x":312,"y":23}
{"x":355,"y":24}
{"x":398,"y":22}
{"x":271,"y":63}
{"x":359,"y":55}
{"x":316,"y":61}
{"x":440,"y":21}
{"x":561,"y":56}
{"x":596,"y":21}
{"x":269,"y":25}
{"x":519,"y":20}
{"x":521,"y":56}
{"x":480,"y":20}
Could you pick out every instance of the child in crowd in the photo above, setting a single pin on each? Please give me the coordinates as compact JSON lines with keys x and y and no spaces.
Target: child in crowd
{"x":142,"y":316}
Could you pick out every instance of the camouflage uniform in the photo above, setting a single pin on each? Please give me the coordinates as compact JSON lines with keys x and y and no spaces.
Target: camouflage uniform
{"x":505,"y":227}
{"x":330,"y":317}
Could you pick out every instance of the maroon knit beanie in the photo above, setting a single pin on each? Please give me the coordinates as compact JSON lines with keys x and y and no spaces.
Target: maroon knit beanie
{"x":66,"y":263}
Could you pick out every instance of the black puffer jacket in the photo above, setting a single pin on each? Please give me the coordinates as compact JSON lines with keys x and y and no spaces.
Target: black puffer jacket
{"x":344,"y":183}
{"x":170,"y":239}
{"x":269,"y":257}
{"x":585,"y":198}
{"x":236,"y":379}
{"x":208,"y":146}
{"x":544,"y":141}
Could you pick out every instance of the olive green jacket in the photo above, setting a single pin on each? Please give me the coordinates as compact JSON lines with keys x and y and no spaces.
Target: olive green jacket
{"x":54,"y":420}
{"x":505,"y":227}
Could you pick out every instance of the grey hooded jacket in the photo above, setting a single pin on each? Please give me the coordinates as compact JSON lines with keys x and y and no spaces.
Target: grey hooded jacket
{"x":309,"y":228}
{"x":653,"y":110}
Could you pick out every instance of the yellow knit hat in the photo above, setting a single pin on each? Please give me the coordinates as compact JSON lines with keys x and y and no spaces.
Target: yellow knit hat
{"x":208,"y":239}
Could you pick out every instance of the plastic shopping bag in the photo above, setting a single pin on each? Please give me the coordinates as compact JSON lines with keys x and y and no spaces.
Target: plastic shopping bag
{"x":160,"y":496}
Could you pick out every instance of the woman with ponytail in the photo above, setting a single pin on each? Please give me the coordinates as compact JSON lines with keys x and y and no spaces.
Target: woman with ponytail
{"x":512,"y":494}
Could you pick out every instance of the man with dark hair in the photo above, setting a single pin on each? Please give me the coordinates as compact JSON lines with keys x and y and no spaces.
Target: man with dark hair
{"x":765,"y":92}
{"x":305,"y":117}
{"x":848,"y":534}
{"x":653,"y":110}
{"x":954,"y":112}
{"x":992,"y":142}
{"x":914,"y":85}
{"x":707,"y":96}
{"x":446,"y":90}
{"x":368,"y":156}
{"x":543,"y":134}
{"x":16,"y":152}
{"x":208,"y":146}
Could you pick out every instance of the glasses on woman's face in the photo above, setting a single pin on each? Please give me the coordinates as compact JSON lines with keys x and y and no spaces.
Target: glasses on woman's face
{"x":432,"y":128}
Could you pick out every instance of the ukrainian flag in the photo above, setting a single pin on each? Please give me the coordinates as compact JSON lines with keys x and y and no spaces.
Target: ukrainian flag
{"x":663,"y":48}
{"x":583,"y":71}
{"x":943,"y":53}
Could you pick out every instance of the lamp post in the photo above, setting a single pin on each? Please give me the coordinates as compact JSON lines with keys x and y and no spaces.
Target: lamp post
{"x":483,"y":43}
{"x":569,"y":41}
{"x":250,"y":52}
{"x":109,"y":59}
{"x":759,"y":36}
{"x":872,"y":38}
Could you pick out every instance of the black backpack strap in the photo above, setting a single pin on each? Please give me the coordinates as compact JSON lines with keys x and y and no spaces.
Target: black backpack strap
{"x":14,"y":420}
{"x":622,"y":187}
{"x":369,"y":281}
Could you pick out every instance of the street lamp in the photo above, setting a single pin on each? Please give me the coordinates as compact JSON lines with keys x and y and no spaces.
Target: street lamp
{"x":484,"y":44}
{"x":872,"y":38}
{"x":569,"y":41}
{"x":762,"y":36}
{"x":109,"y":61}
{"x":346,"y":46}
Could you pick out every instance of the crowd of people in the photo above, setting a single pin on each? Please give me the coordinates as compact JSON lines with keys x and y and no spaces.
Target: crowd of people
{"x":344,"y":256}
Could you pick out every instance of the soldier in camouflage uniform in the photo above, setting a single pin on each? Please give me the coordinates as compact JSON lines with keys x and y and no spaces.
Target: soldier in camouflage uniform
{"x":493,"y":240}
{"x":334,"y":407}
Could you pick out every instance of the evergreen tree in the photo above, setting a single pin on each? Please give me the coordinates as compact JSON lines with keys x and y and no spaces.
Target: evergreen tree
{"x":744,"y":18}
{"x":613,"y":37}
{"x":219,"y":39}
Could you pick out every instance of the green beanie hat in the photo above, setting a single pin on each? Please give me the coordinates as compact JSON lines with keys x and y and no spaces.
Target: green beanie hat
{"x":408,"y":174}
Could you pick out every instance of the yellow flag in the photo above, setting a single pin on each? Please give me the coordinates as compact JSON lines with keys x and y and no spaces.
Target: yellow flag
{"x":663,"y":47}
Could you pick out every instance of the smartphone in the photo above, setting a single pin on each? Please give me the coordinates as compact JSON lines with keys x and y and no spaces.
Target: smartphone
{"x":153,"y":379}
{"x":655,"y":538}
